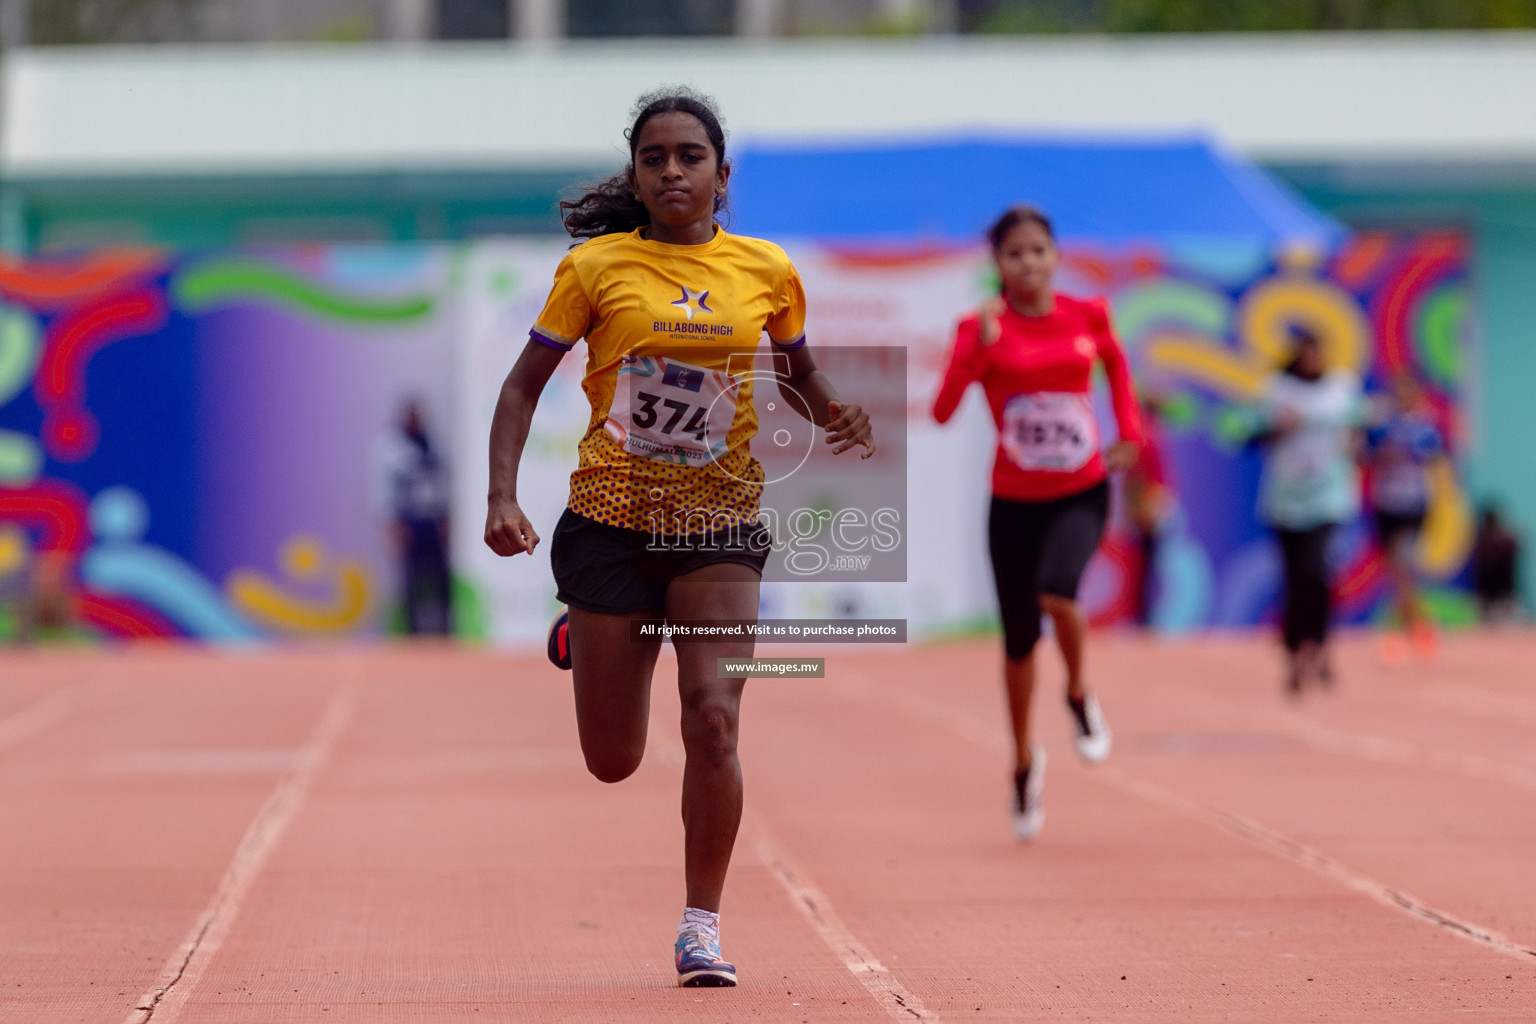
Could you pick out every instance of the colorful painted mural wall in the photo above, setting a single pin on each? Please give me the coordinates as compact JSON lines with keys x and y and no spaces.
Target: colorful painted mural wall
{"x":187,"y":441}
{"x":1204,"y":328}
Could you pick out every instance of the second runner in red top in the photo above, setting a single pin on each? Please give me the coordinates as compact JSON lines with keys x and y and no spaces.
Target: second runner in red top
{"x":1033,"y":351}
{"x":1038,"y":378}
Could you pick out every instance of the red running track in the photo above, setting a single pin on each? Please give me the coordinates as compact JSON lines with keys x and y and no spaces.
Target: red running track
{"x":408,"y":834}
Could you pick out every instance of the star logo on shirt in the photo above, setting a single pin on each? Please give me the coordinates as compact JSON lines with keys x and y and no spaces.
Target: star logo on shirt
{"x":693,"y":302}
{"x":1086,"y":346}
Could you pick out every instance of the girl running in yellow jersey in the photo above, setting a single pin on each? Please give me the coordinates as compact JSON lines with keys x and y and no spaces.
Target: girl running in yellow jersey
{"x":661,"y":522}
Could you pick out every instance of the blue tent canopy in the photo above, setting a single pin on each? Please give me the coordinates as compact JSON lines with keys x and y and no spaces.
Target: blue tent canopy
{"x":1106,"y":191}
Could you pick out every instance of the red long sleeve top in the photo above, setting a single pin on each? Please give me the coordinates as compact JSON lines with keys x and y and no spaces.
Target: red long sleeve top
{"x":1038,"y":376}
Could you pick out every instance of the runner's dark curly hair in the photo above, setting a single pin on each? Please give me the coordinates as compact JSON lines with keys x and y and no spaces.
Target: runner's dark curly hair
{"x":1012,"y":218}
{"x":610,"y":206}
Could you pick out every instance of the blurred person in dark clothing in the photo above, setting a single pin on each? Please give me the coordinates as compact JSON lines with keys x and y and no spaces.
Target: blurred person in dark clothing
{"x":1495,"y":567}
{"x":1148,"y":501}
{"x":1309,"y":488}
{"x":413,"y":496}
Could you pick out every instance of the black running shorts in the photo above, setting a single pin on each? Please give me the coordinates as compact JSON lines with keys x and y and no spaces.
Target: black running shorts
{"x":614,"y":571}
{"x":1041,"y":547}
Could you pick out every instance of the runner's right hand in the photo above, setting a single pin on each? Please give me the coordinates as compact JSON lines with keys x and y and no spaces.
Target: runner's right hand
{"x":989,"y":316}
{"x":1121,"y":456}
{"x":507,"y":530}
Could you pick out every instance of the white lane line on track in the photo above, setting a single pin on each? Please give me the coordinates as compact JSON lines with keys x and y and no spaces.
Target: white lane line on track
{"x":1474,"y":702}
{"x":1314,"y":860}
{"x":966,"y":727}
{"x":179,"y":978}
{"x":1409,"y":755}
{"x":817,"y":909}
{"x":807,"y":898}
{"x":36,"y":718}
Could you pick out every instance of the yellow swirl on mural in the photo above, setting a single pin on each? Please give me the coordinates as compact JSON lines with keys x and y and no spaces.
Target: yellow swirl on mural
{"x":303,"y":558}
{"x":1264,"y":320}
{"x":1269,"y":310}
{"x":1212,"y":364}
{"x":1446,"y":539}
{"x":13,"y":550}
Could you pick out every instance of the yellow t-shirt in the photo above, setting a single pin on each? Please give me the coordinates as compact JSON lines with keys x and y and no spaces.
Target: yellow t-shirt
{"x":670,"y":330}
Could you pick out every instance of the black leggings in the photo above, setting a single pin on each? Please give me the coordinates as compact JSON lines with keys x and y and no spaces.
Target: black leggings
{"x":1041,"y":547}
{"x":1308,"y":592}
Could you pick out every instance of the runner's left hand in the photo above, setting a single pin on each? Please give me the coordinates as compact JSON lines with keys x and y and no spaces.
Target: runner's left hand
{"x":1121,"y":455}
{"x":848,"y":426}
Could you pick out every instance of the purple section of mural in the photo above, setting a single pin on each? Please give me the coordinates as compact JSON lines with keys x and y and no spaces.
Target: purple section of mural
{"x":193,"y":454}
{"x":292,"y":413}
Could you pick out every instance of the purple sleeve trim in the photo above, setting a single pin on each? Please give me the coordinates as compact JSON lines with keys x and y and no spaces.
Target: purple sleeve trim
{"x":790,"y":345}
{"x":550,"y":340}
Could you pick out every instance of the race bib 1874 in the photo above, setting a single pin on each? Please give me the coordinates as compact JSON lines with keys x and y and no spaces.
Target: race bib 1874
{"x":670,"y":410}
{"x":1050,"y":431}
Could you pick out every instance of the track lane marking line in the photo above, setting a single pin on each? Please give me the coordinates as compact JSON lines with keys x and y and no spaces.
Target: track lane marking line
{"x":1407,"y":754}
{"x":179,"y":978}
{"x":1410,"y":755}
{"x":965,"y":727}
{"x":814,"y":905}
{"x":1476,"y":702}
{"x":37,"y":717}
{"x":1312,"y":859}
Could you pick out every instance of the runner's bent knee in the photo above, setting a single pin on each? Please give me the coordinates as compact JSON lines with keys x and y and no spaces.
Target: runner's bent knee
{"x":710,"y":727}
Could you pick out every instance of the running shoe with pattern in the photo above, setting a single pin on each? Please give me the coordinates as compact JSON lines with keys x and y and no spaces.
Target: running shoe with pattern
{"x":1092,"y":735}
{"x":559,"y":646}
{"x":1028,"y":785}
{"x":698,"y":961}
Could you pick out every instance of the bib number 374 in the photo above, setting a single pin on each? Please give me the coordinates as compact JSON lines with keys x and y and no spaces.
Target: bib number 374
{"x":672,"y":411}
{"x":1050,"y":431}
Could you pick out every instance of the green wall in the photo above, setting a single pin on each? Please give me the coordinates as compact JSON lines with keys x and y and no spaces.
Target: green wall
{"x":219,"y":210}
{"x":1504,"y":463}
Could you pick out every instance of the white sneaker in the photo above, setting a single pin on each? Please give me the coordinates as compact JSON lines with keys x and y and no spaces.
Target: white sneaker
{"x":1028,"y":814}
{"x":1093,"y":736}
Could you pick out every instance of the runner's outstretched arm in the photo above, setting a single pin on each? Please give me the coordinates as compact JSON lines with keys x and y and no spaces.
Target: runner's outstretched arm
{"x":507,"y":530}
{"x":846,"y":423}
